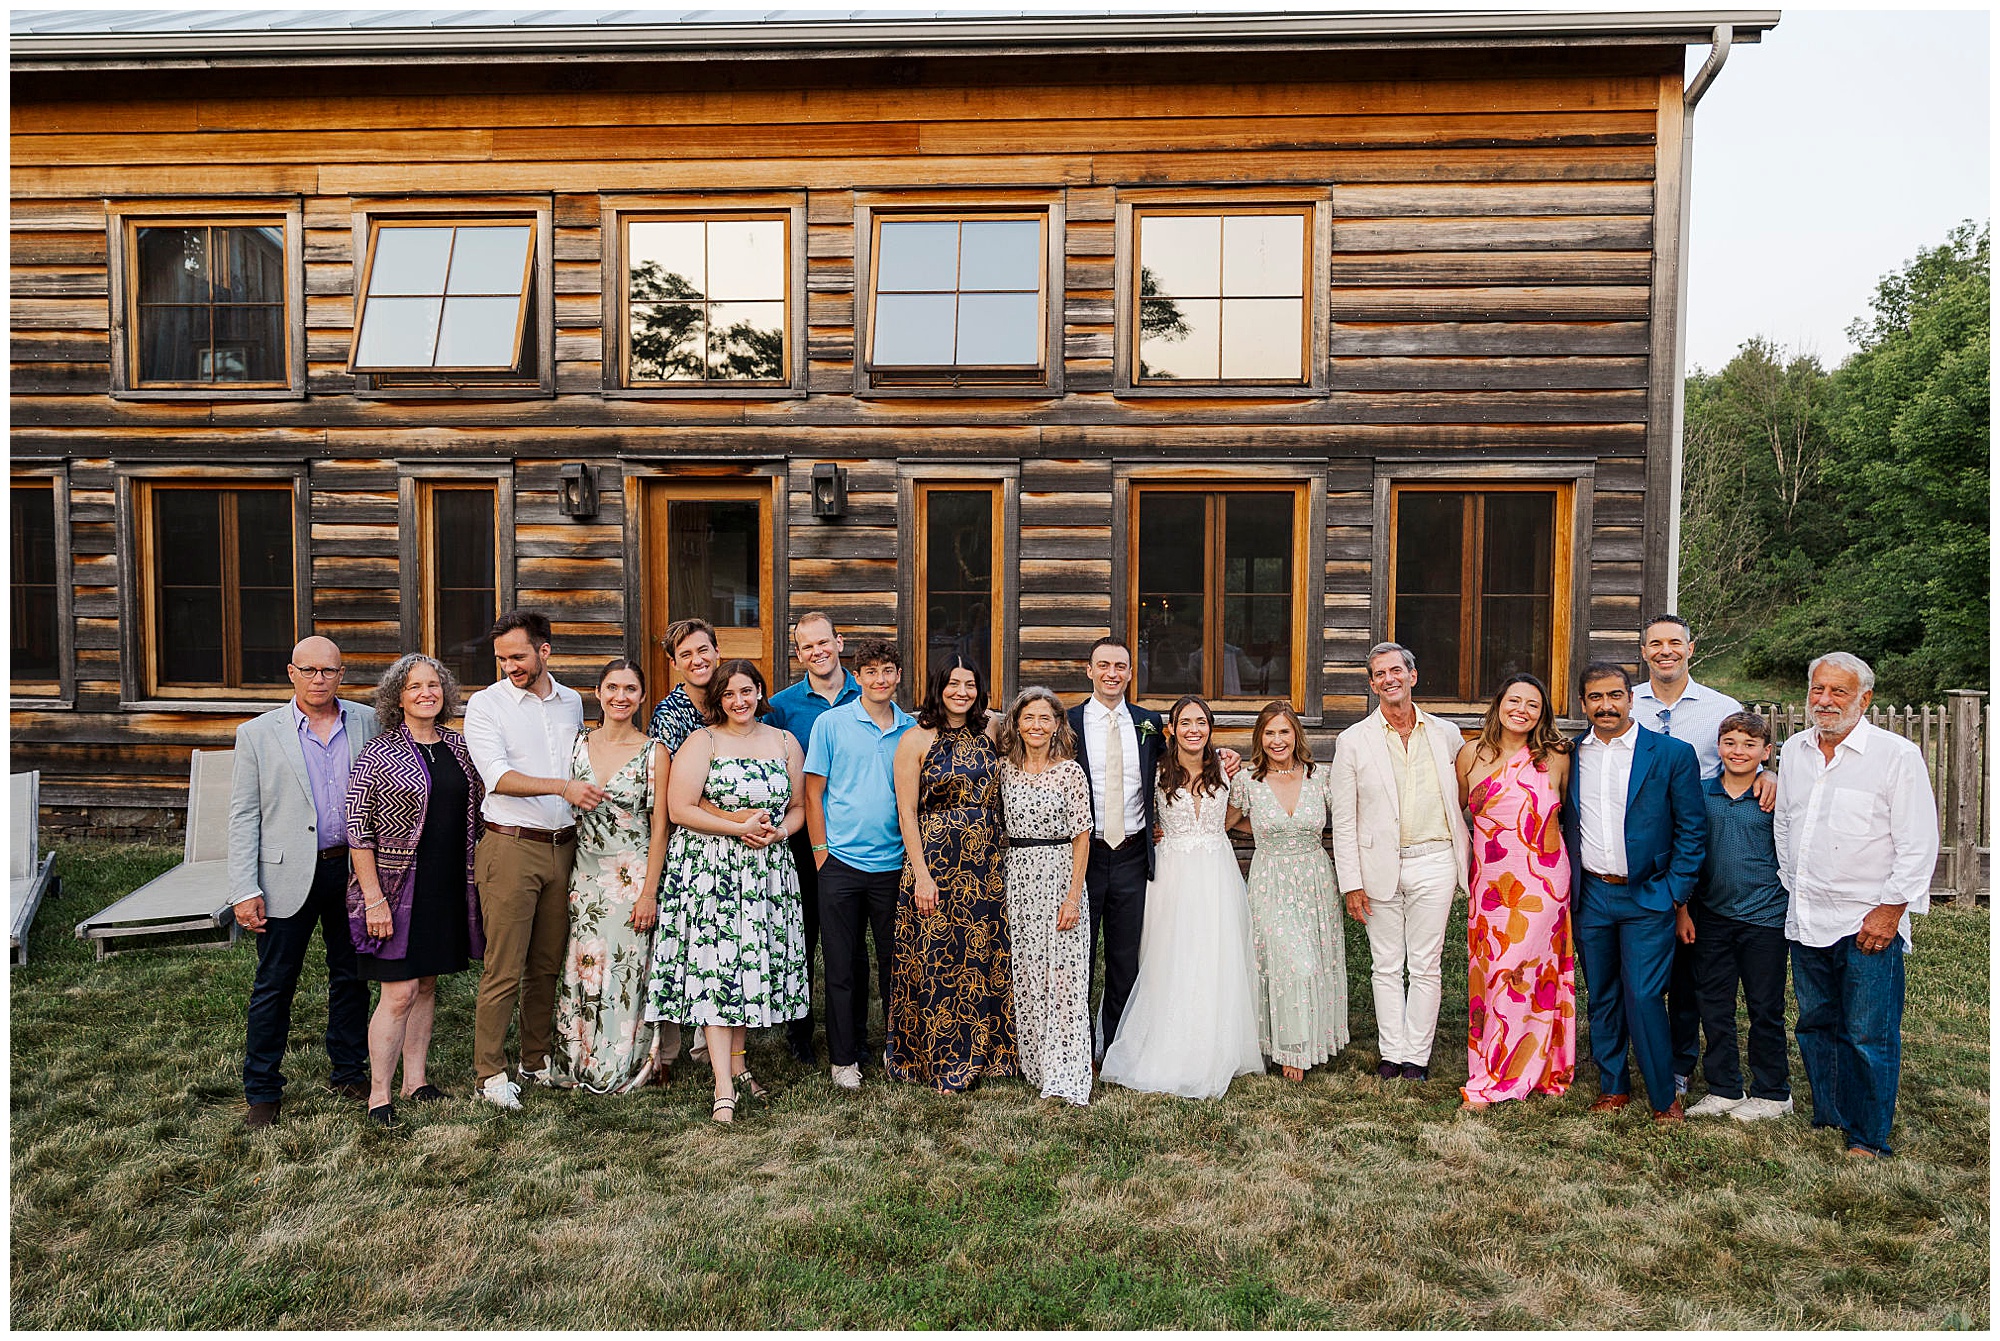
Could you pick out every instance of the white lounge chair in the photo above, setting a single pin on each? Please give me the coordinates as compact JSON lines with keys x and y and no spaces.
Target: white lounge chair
{"x":31,"y":875}
{"x":193,"y":896}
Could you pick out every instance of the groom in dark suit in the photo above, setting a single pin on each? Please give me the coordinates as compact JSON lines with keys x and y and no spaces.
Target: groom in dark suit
{"x":1118,"y":744}
{"x":1636,"y":825}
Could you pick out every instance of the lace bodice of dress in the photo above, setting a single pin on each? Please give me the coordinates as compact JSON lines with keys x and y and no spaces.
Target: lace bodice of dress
{"x":1192,"y":821}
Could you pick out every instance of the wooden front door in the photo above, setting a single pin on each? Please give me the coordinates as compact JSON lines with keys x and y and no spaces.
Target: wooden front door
{"x":708,"y":555}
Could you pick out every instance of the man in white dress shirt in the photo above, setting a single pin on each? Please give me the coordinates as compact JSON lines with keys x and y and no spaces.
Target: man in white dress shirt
{"x":1857,"y":836}
{"x":1401,"y":851}
{"x":1674,"y":703}
{"x":519,"y":732}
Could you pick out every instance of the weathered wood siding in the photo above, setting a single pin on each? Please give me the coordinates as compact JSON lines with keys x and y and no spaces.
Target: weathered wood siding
{"x":1491,"y":250}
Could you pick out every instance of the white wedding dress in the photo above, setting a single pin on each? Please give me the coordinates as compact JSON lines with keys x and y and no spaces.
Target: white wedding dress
{"x":1190,"y":1025}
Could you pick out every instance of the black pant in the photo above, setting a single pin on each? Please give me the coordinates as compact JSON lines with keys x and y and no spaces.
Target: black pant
{"x":1684,"y":1015}
{"x":800,"y":1031}
{"x":1727,"y":951}
{"x":851,"y":901}
{"x":1116,"y":881}
{"x":281,"y":956}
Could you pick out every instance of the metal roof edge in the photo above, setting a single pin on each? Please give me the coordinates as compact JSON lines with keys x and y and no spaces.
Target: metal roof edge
{"x":946,"y":35}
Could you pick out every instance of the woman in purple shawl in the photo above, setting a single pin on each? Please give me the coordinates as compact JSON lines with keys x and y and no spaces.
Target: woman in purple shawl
{"x":412,"y":820}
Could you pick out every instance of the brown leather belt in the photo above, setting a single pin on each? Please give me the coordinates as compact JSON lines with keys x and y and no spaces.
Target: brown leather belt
{"x":1607,"y":879}
{"x":338,"y":851}
{"x":553,"y":837}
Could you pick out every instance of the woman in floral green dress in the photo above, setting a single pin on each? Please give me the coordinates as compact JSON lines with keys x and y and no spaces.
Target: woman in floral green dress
{"x":731,"y":950}
{"x":603,"y":1042}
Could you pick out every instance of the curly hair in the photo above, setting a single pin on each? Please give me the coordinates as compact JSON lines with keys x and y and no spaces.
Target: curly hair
{"x":389,"y":694}
{"x":1062,"y":745}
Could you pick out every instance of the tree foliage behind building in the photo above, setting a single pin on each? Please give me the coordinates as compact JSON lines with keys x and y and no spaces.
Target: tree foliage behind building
{"x":1850,"y":509}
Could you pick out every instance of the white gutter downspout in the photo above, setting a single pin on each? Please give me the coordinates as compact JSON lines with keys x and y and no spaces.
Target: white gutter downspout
{"x":1710,"y":68}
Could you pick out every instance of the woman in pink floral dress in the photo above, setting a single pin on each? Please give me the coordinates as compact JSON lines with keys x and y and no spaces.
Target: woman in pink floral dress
{"x":1521,"y":983}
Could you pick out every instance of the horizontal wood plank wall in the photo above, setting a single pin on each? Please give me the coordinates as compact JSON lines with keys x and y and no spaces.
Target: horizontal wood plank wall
{"x":1492,"y":218}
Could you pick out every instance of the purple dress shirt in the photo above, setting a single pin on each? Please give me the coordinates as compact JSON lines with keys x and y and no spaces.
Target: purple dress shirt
{"x":328,"y":764}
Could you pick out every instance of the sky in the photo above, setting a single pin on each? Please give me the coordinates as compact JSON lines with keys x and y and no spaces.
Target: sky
{"x":1825,"y":157}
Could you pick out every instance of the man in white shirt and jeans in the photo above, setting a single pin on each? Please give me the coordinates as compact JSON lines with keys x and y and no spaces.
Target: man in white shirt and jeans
{"x":519,"y":732}
{"x":1857,"y":835}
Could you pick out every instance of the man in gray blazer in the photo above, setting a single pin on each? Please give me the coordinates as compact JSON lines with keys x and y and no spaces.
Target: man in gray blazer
{"x":1400,"y":849}
{"x":288,"y":872}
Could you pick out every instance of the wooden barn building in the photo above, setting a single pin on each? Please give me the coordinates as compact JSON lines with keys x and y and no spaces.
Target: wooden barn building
{"x":1253,"y":338}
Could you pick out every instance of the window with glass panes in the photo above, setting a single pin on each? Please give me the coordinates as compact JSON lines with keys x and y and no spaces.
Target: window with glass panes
{"x":35,"y":641}
{"x":223,"y":608}
{"x":206,"y":304}
{"x":1216,"y":592}
{"x":445,"y":296}
{"x":705,"y":300}
{"x":959,"y":296}
{"x":1475,"y":584}
{"x":958,"y":583}
{"x":1222,"y":297}
{"x":461,"y":596}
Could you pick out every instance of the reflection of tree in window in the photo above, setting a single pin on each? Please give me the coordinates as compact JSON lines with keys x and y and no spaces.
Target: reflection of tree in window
{"x":675,"y":339}
{"x":1159,"y":319}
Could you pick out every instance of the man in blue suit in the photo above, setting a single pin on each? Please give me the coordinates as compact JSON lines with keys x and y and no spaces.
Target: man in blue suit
{"x":1635,"y":824}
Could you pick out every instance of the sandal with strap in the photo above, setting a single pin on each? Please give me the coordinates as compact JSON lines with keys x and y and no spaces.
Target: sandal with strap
{"x":747,"y":1084}
{"x":723,"y":1109}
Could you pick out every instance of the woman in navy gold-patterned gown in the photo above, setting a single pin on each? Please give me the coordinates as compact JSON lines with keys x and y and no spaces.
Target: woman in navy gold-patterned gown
{"x":951,"y":1002}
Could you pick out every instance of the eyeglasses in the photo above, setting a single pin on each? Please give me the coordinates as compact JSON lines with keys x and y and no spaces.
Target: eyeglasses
{"x":319,"y":672}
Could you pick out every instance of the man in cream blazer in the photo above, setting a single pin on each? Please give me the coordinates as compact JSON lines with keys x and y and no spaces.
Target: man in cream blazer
{"x":1400,"y":853}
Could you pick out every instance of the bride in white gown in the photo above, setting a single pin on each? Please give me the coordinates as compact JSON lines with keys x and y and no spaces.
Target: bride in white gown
{"x":1190,"y":1025}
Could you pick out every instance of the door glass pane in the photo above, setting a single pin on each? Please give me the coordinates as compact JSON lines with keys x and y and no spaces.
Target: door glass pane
{"x":490,"y":260}
{"x":187,"y":558}
{"x":1179,"y":338}
{"x":746,"y":260}
{"x":715,"y":562}
{"x":917,"y":257}
{"x":746,"y":341}
{"x":463,"y":599}
{"x":1173,"y":613}
{"x":1180,"y":256}
{"x":959,"y":590}
{"x":410,"y":260}
{"x":1000,"y":254}
{"x":264,"y":577}
{"x":1263,"y":256}
{"x":1256,"y":595}
{"x":1517,"y":572}
{"x":914,"y":330}
{"x":1263,"y":339}
{"x":35,"y":643}
{"x":999,"y":329}
{"x":1431,"y":616}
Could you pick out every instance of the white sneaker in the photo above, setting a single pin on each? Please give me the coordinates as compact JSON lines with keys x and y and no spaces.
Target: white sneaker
{"x":847,"y":1077}
{"x":1752,"y":1110}
{"x":1715,"y":1105}
{"x":501,"y":1092}
{"x":544,"y":1077}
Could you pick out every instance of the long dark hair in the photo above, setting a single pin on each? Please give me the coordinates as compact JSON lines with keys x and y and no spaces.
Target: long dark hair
{"x":1172,"y":776}
{"x":931,"y":713}
{"x":726,"y":672}
{"x":1543,"y":740}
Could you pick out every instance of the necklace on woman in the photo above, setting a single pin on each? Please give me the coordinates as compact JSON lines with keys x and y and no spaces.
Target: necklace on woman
{"x":1277,"y":772}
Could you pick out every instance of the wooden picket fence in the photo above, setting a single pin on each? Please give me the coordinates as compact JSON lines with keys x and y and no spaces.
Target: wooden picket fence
{"x":1954,"y":737}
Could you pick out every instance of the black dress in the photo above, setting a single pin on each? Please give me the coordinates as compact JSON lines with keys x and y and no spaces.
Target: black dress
{"x":439,"y":939}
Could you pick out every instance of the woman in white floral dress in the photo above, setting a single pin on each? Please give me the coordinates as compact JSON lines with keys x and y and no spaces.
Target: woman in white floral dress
{"x":603,"y":1042}
{"x":1045,"y":798}
{"x":731,"y":950}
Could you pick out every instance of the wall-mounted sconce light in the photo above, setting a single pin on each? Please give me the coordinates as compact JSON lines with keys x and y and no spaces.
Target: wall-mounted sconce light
{"x":579,"y":490}
{"x":829,"y":490}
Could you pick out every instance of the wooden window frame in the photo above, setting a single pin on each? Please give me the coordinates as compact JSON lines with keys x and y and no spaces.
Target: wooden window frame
{"x":531,"y":382}
{"x":59,"y":693}
{"x":950,"y":381}
{"x":415,"y":541}
{"x":915,"y":482}
{"x":140,"y":687}
{"x":1572,"y":485}
{"x":1313,"y":203}
{"x":621,"y":213}
{"x":1308,"y":488}
{"x":122,"y":278}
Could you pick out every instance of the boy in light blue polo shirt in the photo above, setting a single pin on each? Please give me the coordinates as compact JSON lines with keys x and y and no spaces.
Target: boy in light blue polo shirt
{"x":857,"y":846}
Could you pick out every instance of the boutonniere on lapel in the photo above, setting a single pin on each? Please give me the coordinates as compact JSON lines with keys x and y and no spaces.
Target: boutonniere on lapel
{"x":1146,"y":731}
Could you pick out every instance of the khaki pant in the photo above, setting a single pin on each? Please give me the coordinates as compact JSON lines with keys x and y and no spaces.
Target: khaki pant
{"x":524,"y":903}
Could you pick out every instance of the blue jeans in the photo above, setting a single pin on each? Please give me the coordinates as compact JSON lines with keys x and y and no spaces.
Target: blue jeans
{"x":1851,"y":1036}
{"x":1628,"y":955}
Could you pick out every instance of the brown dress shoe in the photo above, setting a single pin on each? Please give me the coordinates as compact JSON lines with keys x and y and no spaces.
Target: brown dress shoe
{"x":1673,"y":1112}
{"x":1610,"y":1103}
{"x":259,"y":1116}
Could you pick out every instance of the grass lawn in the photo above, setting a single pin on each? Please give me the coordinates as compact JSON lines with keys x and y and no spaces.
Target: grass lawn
{"x":138,"y":1200}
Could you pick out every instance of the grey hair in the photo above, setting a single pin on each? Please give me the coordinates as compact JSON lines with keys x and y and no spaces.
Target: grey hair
{"x":1409,"y":657}
{"x":389,"y":694}
{"x":1062,"y":745}
{"x":1863,"y":673}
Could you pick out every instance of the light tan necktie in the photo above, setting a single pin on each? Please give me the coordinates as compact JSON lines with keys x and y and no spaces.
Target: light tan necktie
{"x":1114,"y":782}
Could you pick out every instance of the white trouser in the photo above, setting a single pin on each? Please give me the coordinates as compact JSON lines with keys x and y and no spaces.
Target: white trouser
{"x":1408,"y":929}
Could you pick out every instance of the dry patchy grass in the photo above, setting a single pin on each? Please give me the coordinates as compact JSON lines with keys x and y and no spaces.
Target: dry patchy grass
{"x":138,"y":1201}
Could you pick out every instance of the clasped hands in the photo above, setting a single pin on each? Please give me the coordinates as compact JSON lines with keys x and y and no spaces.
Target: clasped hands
{"x":758,"y":830}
